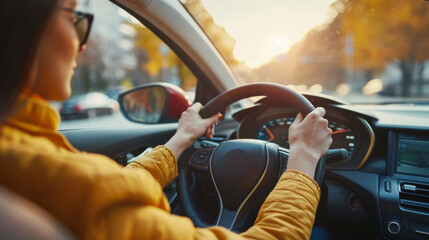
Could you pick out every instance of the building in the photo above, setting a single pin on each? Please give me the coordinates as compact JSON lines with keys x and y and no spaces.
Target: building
{"x":110,"y":53}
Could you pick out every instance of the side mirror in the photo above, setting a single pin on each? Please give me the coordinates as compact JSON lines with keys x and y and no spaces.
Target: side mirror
{"x":154,"y":103}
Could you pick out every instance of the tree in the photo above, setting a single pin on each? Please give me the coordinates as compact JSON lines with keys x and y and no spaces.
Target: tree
{"x":157,"y":56}
{"x":317,"y":59}
{"x":383,"y":31}
{"x":387,"y":31}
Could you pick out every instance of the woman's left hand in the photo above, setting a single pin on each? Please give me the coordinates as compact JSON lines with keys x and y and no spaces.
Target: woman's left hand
{"x":191,"y":127}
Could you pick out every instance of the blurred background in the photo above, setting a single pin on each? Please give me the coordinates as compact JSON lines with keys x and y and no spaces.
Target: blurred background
{"x":366,"y":51}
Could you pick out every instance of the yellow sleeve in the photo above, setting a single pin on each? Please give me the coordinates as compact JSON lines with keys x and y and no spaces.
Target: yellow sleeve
{"x":149,"y":222}
{"x":96,"y":199}
{"x":288,"y":213}
{"x":289,"y":210}
{"x":160,"y":162}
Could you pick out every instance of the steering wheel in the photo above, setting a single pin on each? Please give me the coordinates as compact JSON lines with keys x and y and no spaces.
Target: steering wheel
{"x":243,"y":171}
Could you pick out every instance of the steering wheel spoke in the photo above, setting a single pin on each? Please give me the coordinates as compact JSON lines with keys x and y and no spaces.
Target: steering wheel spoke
{"x":284,"y":157}
{"x":227,"y":218}
{"x":200,"y":159}
{"x":197,"y":159}
{"x":198,"y":156}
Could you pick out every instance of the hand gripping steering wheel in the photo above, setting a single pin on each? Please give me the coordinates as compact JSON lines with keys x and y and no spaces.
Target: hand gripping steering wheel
{"x":243,"y":171}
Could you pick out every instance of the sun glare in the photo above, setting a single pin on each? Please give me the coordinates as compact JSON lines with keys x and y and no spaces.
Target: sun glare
{"x":265,"y":29}
{"x":264,"y":49}
{"x":278,"y":44}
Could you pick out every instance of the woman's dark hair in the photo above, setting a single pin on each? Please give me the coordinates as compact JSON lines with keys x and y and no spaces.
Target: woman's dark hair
{"x":22,"y":23}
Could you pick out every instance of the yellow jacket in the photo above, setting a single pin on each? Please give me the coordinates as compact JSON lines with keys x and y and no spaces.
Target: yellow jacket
{"x":96,"y":198}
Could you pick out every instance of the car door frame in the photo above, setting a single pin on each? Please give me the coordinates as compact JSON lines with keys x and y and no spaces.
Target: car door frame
{"x":171,"y":22}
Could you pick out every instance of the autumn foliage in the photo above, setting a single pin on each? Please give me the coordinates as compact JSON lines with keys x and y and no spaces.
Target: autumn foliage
{"x":386,"y":32}
{"x":382,"y":33}
{"x":159,"y":57}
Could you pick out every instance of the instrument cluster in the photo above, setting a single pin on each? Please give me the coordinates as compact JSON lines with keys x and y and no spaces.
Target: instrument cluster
{"x":351,"y":133}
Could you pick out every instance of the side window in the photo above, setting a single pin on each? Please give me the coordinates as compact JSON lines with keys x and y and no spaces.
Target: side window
{"x":120,"y":54}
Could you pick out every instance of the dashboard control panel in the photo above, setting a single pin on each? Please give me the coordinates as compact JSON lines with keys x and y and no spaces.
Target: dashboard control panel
{"x":404,"y":191}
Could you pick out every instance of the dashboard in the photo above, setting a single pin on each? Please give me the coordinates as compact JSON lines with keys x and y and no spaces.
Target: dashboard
{"x":381,"y":190}
{"x":354,"y":134}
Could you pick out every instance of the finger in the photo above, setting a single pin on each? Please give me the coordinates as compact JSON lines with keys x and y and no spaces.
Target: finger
{"x":315,"y":114}
{"x":82,"y":48}
{"x":298,"y":119}
{"x":196,"y":107}
{"x":209,"y":132}
{"x":320,"y":111}
{"x":212,"y":120}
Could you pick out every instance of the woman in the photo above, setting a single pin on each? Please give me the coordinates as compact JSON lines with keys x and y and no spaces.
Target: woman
{"x":90,"y":194}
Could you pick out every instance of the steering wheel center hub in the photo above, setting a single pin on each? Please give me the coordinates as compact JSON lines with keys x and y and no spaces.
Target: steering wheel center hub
{"x":237,"y":167}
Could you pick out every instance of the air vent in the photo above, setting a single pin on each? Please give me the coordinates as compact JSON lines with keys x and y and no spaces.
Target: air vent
{"x":414,"y":196}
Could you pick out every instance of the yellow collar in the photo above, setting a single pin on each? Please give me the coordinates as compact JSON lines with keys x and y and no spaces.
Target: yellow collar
{"x":34,"y":115}
{"x":37,"y":117}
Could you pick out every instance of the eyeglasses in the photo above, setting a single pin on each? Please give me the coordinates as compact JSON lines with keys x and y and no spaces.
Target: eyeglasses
{"x":82,"y":22}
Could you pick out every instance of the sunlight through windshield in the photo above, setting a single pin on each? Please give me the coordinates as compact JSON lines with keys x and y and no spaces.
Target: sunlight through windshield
{"x":362,"y":51}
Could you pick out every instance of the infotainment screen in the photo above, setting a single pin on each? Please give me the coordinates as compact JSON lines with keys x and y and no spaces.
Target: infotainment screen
{"x":413,"y":155}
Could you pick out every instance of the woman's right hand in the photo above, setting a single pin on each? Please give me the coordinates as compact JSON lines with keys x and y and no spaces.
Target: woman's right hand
{"x":309,"y":140}
{"x":191,"y":127}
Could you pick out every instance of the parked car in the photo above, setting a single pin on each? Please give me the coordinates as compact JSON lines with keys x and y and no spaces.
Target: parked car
{"x":88,"y":105}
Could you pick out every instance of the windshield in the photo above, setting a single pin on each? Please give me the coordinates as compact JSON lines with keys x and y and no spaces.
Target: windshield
{"x":366,"y":51}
